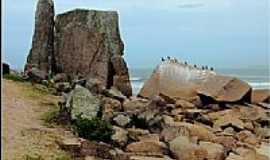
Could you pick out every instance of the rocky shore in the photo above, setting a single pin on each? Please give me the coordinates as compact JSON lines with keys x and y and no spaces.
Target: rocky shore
{"x":181,"y":113}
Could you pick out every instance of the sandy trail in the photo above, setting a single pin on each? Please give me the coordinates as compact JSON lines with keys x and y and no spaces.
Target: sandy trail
{"x":23,"y":132}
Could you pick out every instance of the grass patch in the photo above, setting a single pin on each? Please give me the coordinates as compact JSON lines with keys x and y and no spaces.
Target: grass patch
{"x":13,"y":77}
{"x":37,"y":157}
{"x":94,"y":129}
{"x":50,"y":118}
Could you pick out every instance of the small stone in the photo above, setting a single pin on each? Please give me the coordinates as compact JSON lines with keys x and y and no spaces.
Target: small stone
{"x":122,"y":120}
{"x":184,"y":104}
{"x":214,"y":151}
{"x":70,"y":144}
{"x":120,"y":136}
{"x":154,"y":148}
{"x":136,"y":133}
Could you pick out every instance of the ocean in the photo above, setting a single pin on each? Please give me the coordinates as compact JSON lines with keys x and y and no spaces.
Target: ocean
{"x":257,"y":77}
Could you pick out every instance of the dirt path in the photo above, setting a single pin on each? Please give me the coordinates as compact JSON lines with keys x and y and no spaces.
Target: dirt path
{"x":24,"y":134}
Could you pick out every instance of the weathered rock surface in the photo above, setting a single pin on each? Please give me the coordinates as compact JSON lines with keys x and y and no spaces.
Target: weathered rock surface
{"x":82,"y":102}
{"x":155,"y":148}
{"x":260,"y":95}
{"x":225,"y":89}
{"x":183,"y":149}
{"x":122,"y":120}
{"x":85,"y":42}
{"x":214,"y":151}
{"x":36,"y":74}
{"x":120,"y":136}
{"x":176,"y":80}
{"x":41,"y":53}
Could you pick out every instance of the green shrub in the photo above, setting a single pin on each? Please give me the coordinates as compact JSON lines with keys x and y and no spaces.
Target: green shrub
{"x":94,"y":129}
{"x":13,"y":77}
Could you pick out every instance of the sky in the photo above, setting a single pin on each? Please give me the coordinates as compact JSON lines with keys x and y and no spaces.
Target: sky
{"x":218,"y":33}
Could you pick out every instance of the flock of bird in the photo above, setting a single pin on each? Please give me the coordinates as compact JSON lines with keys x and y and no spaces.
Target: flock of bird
{"x":176,"y":61}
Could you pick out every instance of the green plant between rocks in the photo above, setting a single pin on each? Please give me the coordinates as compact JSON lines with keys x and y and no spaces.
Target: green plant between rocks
{"x":13,"y":77}
{"x":94,"y":129}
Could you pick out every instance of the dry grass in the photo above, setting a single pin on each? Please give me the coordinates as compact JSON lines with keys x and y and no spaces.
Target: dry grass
{"x":25,"y":135}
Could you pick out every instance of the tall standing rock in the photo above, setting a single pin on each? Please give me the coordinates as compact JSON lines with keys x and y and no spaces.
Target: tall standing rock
{"x":41,"y":53}
{"x":85,"y":42}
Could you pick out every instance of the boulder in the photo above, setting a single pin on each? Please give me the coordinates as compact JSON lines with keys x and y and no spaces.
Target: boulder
{"x":109,"y":107}
{"x":136,"y":133}
{"x":247,"y":137}
{"x":41,"y":53}
{"x":96,"y":149}
{"x":184,"y":104}
{"x":175,"y":80}
{"x":228,"y":142}
{"x":225,"y":89}
{"x":183,"y":149}
{"x":122,"y":120}
{"x":120,"y":136}
{"x":135,"y":105}
{"x":36,"y":75}
{"x":82,"y":102}
{"x":154,"y":148}
{"x":186,"y":129}
{"x":114,"y":93}
{"x":60,"y":77}
{"x":85,"y":42}
{"x":260,"y":95}
{"x":214,"y":151}
{"x":229,"y":121}
{"x":180,"y":81}
{"x":70,"y":144}
{"x":5,"y":68}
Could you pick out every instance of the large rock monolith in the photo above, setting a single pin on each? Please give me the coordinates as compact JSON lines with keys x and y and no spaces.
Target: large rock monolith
{"x":85,"y":42}
{"x":41,"y":53}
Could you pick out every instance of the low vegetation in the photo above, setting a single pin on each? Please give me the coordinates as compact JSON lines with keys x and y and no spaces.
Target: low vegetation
{"x":95,"y":129}
{"x":13,"y":77}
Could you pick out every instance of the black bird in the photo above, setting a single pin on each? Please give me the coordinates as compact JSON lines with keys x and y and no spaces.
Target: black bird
{"x":211,"y":68}
{"x":195,"y":66}
{"x":162,"y":59}
{"x":168,"y":57}
{"x":185,"y":63}
{"x":202,"y":67}
{"x":206,"y":67}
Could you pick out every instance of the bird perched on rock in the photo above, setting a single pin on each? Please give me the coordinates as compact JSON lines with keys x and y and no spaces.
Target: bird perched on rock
{"x":202,"y":67}
{"x":195,"y":66}
{"x":185,"y":62}
{"x":168,"y":57}
{"x":212,"y":69}
{"x":162,"y":59}
{"x":206,"y":67}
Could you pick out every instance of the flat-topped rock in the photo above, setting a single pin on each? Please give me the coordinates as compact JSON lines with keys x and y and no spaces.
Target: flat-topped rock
{"x":86,"y":41}
{"x":180,"y":81}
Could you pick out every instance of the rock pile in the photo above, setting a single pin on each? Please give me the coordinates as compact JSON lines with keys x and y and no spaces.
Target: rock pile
{"x":78,"y":44}
{"x":158,"y":129}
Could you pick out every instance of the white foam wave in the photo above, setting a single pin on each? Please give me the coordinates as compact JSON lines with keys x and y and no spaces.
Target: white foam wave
{"x":260,"y":84}
{"x":136,"y":79}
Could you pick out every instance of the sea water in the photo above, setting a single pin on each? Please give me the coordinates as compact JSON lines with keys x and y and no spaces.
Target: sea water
{"x":257,"y":77}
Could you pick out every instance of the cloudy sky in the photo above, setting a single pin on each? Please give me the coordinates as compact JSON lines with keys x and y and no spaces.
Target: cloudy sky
{"x":219,"y":33}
